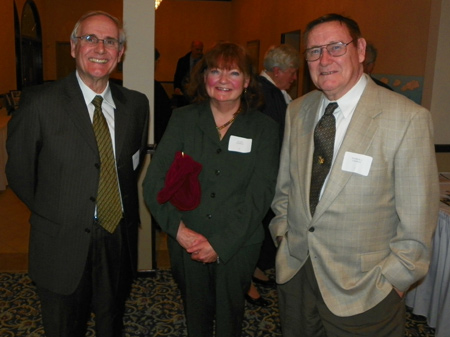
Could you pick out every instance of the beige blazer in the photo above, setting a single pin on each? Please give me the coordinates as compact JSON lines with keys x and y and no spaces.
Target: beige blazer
{"x":369,"y":233}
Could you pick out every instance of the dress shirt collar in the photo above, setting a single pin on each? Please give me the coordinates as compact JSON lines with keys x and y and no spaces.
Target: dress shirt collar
{"x":266,"y":76}
{"x":287,"y":97}
{"x":89,"y":94}
{"x":348,"y":102}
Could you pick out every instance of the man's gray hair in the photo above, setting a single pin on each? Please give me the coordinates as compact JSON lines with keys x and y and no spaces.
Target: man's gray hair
{"x":122,"y":36}
{"x":283,"y":56}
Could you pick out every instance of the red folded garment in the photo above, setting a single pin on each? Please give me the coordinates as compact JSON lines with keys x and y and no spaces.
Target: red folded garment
{"x":181,"y":186}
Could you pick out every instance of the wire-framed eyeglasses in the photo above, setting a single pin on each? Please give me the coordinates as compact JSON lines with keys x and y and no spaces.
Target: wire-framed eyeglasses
{"x":335,"y":49}
{"x":94,"y":40}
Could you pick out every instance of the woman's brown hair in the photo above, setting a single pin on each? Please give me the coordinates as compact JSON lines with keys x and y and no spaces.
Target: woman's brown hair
{"x":226,"y":55}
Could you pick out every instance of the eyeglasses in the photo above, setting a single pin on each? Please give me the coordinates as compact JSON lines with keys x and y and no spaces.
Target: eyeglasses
{"x":94,"y":40}
{"x":335,"y":49}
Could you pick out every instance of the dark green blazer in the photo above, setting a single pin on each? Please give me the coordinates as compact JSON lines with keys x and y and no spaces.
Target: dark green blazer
{"x":237,"y":188}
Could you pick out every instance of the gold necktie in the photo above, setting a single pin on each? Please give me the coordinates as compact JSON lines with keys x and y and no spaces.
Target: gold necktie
{"x":109,"y":207}
{"x":323,"y":153}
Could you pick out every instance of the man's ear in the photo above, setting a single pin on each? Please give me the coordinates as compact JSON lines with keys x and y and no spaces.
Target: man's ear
{"x":361,"y":49}
{"x":73,"y":46}
{"x":276,"y":71}
{"x":121,"y":52}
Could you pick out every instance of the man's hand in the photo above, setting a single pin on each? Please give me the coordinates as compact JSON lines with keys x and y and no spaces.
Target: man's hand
{"x":400,"y":293}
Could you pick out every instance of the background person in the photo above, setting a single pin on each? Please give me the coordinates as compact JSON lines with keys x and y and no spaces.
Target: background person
{"x":230,"y":138}
{"x":185,"y":65}
{"x":369,"y":64}
{"x":79,"y":257}
{"x":349,"y":248}
{"x":163,"y":109}
{"x":281,"y":65}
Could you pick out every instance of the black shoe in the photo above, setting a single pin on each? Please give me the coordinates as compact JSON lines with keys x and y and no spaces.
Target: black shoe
{"x":266,"y":284}
{"x":260,"y":302}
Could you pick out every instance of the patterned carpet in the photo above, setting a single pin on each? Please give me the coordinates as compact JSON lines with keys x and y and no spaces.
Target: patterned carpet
{"x":153,"y":309}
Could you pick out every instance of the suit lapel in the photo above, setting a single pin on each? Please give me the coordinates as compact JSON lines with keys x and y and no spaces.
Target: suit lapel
{"x":358,"y":138}
{"x":77,"y":111}
{"x":120,"y":119}
{"x":75,"y":107}
{"x":303,"y":140}
{"x":206,"y":120}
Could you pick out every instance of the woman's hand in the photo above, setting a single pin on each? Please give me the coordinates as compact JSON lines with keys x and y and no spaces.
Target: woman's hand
{"x":203,"y":252}
{"x":187,"y":237}
{"x":196,"y":245}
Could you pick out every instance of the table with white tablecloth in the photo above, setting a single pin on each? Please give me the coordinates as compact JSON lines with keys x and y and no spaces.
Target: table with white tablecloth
{"x":3,"y":155}
{"x":431,"y":298}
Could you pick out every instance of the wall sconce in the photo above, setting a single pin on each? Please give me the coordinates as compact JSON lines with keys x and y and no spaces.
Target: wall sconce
{"x":157,"y":2}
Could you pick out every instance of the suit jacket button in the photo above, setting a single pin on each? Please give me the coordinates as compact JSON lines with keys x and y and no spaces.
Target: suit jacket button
{"x":217,"y":172}
{"x":209,"y":216}
{"x":312,"y":229}
{"x":213,"y":195}
{"x":218,"y":151}
{"x":97,"y":165}
{"x":92,"y":199}
{"x":87,"y":230}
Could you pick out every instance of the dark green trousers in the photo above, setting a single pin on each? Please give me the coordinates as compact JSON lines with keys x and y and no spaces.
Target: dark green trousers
{"x":213,"y":294}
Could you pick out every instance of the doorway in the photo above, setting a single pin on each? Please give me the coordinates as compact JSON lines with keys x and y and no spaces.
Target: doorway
{"x":31,"y":47}
{"x":65,"y":62}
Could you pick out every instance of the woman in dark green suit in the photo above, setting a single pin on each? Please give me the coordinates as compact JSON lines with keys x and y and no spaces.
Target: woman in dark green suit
{"x":214,"y":247}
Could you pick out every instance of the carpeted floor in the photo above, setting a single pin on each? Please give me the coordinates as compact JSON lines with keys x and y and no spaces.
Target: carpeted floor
{"x":154,"y":309}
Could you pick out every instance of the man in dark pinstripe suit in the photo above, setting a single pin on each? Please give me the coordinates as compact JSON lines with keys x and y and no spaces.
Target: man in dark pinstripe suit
{"x":54,"y":168}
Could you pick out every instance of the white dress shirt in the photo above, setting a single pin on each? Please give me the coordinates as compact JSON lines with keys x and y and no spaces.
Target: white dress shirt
{"x":343,"y":114}
{"x":108,"y":106}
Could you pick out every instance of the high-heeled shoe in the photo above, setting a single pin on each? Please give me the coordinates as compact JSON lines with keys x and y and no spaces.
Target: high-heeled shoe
{"x":265,"y":283}
{"x":260,"y":302}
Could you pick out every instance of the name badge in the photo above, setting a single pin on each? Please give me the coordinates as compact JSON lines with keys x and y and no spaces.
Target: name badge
{"x":135,"y":159}
{"x":357,"y":163}
{"x":239,"y":144}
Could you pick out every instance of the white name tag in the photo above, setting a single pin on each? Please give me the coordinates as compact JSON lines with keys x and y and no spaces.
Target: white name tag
{"x":135,"y":159}
{"x":357,"y":163}
{"x":239,"y":144}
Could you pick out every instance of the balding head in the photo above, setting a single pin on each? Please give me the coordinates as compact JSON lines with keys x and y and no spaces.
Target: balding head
{"x":196,"y":49}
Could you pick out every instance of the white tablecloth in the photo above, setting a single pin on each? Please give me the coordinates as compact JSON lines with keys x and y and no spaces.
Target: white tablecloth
{"x":431,"y":298}
{"x":3,"y":155}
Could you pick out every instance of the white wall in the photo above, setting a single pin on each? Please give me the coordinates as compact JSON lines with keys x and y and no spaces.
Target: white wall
{"x":437,"y":72}
{"x":138,"y":74}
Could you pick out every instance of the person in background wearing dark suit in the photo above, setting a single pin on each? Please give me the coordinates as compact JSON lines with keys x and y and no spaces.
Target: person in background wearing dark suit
{"x":369,"y":64}
{"x":182,"y":73}
{"x":281,"y":65}
{"x":214,"y":247}
{"x":83,"y":248}
{"x":163,"y":109}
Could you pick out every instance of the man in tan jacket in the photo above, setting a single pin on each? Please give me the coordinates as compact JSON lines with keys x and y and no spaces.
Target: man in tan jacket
{"x":343,"y":266}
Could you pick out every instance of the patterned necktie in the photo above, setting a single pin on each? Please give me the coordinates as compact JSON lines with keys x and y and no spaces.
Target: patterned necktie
{"x":323,"y":153}
{"x":109,"y":207}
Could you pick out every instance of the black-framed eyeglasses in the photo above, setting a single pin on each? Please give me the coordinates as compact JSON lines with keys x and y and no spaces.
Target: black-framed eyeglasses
{"x":335,"y":49}
{"x":94,"y":40}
